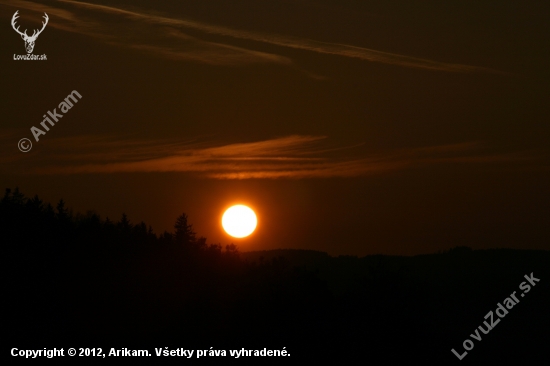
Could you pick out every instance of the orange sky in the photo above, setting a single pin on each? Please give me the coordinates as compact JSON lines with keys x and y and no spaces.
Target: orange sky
{"x":350,"y":127}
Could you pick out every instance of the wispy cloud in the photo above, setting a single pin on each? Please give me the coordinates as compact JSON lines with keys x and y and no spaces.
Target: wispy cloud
{"x":160,"y":39}
{"x":291,"y":42}
{"x":159,"y":29}
{"x":291,"y":157}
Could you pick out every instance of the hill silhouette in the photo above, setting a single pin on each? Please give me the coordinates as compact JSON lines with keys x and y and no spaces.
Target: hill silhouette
{"x":77,"y":280}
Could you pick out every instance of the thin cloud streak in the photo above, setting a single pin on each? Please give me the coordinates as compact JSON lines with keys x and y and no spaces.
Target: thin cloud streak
{"x":291,"y":42}
{"x":161,"y":40}
{"x":38,"y":7}
{"x":291,"y":157}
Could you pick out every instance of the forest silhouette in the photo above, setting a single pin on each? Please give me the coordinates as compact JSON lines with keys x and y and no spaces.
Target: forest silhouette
{"x":77,"y":280}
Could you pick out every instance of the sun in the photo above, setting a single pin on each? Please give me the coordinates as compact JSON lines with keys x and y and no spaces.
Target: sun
{"x":239,"y":221}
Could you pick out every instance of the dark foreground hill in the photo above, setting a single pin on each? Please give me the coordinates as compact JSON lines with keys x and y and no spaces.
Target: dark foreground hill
{"x":80,"y":281}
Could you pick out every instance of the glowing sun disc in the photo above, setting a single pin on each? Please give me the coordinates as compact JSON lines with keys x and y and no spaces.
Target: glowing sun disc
{"x":239,"y":221}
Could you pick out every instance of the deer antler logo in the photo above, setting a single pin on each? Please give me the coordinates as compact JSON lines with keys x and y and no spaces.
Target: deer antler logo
{"x":29,"y":41}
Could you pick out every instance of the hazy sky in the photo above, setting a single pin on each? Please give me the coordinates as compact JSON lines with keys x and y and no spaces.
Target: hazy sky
{"x":352,"y":127}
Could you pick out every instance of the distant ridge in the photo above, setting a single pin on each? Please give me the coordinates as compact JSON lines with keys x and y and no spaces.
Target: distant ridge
{"x":295,"y":257}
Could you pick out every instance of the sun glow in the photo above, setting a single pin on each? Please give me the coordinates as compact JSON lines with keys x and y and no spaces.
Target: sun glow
{"x":239,"y":221}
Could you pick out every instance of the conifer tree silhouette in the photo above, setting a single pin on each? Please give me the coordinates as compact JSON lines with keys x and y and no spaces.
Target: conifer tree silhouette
{"x":62,"y":213}
{"x":184,"y":234}
{"x":124,"y":224}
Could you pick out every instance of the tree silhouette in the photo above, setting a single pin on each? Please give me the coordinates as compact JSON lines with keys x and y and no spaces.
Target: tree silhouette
{"x":62,"y":212}
{"x":124,"y":224}
{"x":81,"y":279}
{"x":184,"y":234}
